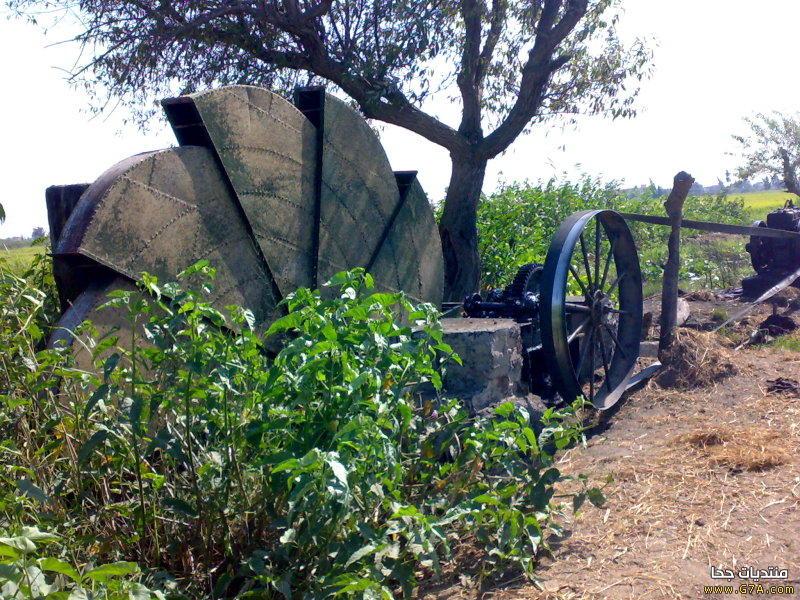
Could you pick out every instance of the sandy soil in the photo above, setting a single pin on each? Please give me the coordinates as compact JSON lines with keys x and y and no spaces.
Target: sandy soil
{"x":701,"y":478}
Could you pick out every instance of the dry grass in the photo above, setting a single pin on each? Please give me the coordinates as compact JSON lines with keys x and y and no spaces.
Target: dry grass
{"x":788,"y":298}
{"x":704,"y":477}
{"x":700,"y":478}
{"x":700,"y":500}
{"x":696,"y":359}
{"x":737,"y":448}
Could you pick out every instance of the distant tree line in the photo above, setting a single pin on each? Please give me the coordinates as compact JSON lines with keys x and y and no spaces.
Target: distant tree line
{"x":21,"y":241}
{"x":729,"y":186}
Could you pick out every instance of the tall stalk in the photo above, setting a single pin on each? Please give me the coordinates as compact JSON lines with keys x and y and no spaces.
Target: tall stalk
{"x":135,"y":436}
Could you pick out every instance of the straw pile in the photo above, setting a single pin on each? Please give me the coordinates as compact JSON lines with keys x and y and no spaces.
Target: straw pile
{"x":700,"y":296}
{"x":789,"y":297}
{"x":738,"y":449}
{"x":695,"y":359}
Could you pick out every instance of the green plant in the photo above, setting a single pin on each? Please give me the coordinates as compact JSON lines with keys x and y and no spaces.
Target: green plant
{"x":225,"y":470}
{"x":26,"y":574}
{"x":517,"y":223}
{"x":790,"y":343}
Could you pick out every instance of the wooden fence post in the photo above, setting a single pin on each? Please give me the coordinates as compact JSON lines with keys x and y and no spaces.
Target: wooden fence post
{"x":669,"y":292}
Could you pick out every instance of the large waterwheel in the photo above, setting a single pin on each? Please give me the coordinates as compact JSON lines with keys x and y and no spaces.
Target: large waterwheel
{"x":274,"y":195}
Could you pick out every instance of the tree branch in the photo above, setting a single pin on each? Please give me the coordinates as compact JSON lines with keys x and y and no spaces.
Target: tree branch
{"x":399,"y":111}
{"x":536,"y":73}
{"x":467,"y":80}
{"x":317,"y":11}
{"x":497,"y":24}
{"x":376,"y":99}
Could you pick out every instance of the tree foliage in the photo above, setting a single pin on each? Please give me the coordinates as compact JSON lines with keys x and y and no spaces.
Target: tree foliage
{"x":508,"y":63}
{"x":513,"y":61}
{"x":771,"y":148}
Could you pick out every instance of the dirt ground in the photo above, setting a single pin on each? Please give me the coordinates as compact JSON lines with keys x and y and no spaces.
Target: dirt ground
{"x":701,"y":478}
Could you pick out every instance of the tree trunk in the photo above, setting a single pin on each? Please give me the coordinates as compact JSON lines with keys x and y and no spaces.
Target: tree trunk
{"x":789,"y":173}
{"x":669,"y":292}
{"x":458,"y":228}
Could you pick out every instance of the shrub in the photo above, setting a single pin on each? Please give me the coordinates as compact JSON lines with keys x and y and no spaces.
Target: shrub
{"x":223,"y":469}
{"x":26,"y":574}
{"x":517,"y":223}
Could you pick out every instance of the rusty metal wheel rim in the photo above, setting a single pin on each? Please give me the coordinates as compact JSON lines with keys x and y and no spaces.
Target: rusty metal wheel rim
{"x":594,"y":253}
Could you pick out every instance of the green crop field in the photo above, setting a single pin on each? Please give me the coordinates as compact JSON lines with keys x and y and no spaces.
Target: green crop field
{"x":20,"y":258}
{"x":758,"y":204}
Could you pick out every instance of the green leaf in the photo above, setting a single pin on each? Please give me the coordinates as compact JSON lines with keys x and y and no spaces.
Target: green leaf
{"x":338,"y":470}
{"x":90,"y":445}
{"x":384,"y":299}
{"x":596,"y":497}
{"x":180,"y":506}
{"x":406,"y":511}
{"x":21,"y":543}
{"x":32,"y":490}
{"x":486,"y":499}
{"x":137,"y":591}
{"x":110,"y":364}
{"x":357,"y":584}
{"x":285,"y":323}
{"x":329,"y":332}
{"x":287,"y":465}
{"x":99,"y":394}
{"x":55,"y":565}
{"x":339,"y":279}
{"x":360,"y":553}
{"x":201,"y":266}
{"x":10,"y":573}
{"x":37,"y":535}
{"x":110,"y":571}
{"x":505,"y":409}
{"x":289,"y":536}
{"x":7,"y":551}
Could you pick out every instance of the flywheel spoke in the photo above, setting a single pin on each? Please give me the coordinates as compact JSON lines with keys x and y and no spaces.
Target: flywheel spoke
{"x":607,"y":266}
{"x":615,"y":340}
{"x":572,"y":307}
{"x":579,"y":330}
{"x":586,"y":262}
{"x":578,"y":279}
{"x":597,"y":252}
{"x":616,"y":282}
{"x":605,"y":361}
{"x":589,"y":341}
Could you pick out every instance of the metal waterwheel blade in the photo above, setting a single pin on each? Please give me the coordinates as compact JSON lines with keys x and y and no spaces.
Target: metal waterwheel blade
{"x":267,"y":150}
{"x":163,"y":211}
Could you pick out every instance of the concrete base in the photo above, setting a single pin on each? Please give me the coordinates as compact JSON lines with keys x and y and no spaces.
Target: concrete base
{"x":491,"y":351}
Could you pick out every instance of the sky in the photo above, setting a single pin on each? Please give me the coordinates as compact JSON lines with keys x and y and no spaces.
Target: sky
{"x":716,"y":61}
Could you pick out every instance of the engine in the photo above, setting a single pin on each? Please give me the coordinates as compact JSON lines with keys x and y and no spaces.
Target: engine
{"x":774,"y":258}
